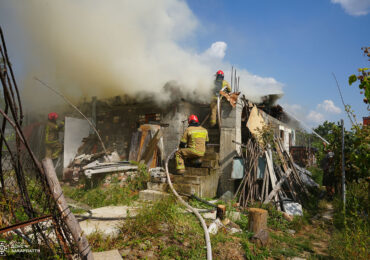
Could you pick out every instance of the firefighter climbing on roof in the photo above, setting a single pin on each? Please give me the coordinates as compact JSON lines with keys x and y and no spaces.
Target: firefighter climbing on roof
{"x":192,"y":143}
{"x":52,"y":145}
{"x":219,"y":84}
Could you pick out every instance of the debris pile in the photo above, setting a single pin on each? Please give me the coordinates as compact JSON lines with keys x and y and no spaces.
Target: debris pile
{"x":267,"y":170}
{"x":271,"y":175}
{"x":91,"y":165}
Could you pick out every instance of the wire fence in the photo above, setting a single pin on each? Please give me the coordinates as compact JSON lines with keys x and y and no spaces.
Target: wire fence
{"x":30,"y":222}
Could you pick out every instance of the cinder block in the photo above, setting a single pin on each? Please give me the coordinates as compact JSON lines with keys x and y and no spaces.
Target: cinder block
{"x":157,"y":186}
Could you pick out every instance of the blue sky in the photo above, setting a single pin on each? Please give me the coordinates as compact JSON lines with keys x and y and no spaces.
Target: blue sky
{"x":299,"y":43}
{"x":101,"y":47}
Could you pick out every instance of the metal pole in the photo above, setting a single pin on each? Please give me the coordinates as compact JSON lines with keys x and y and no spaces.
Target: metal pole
{"x":343,"y":170}
{"x":231,"y":79}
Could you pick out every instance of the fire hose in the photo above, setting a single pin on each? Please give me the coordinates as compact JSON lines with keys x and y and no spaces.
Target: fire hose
{"x":195,"y":211}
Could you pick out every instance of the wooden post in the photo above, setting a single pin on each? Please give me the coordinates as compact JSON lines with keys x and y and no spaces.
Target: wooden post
{"x":257,"y":220}
{"x":72,"y":223}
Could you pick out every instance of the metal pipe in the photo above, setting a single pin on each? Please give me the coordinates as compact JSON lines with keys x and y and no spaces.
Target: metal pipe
{"x":343,"y":170}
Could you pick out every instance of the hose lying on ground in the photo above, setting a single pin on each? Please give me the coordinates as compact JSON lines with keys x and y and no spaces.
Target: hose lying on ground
{"x":195,"y":211}
{"x":202,"y":200}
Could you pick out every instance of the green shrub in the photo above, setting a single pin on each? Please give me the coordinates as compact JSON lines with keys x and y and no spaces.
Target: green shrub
{"x":351,"y":239}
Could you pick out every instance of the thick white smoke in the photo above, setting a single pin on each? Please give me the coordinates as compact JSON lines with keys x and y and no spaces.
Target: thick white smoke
{"x":106,"y":48}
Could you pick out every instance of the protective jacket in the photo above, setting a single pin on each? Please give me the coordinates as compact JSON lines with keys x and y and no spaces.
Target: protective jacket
{"x":52,"y":132}
{"x":219,"y":85}
{"x":195,"y":138}
{"x":52,"y":146}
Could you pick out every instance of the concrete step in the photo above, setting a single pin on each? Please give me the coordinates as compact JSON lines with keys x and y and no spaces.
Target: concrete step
{"x":153,"y":195}
{"x":187,"y":189}
{"x":188,"y":179}
{"x":158,"y":186}
{"x":191,"y":171}
{"x":211,"y":156}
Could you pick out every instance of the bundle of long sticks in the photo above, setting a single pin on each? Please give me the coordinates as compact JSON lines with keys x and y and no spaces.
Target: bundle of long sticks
{"x":280,"y":181}
{"x":248,"y":188}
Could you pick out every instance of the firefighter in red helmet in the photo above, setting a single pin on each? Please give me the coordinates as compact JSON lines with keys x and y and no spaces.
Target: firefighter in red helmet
{"x":219,"y":84}
{"x":192,"y":143}
{"x":52,"y":145}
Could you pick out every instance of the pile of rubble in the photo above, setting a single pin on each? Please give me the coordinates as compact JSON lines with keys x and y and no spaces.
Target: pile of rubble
{"x":99,"y":164}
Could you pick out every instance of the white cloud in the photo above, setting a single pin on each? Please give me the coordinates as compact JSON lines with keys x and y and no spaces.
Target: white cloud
{"x":354,"y":7}
{"x":315,"y":117}
{"x":328,"y":106}
{"x":217,"y":50}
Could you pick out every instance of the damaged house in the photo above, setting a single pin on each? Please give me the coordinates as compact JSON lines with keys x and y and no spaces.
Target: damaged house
{"x":142,"y":130}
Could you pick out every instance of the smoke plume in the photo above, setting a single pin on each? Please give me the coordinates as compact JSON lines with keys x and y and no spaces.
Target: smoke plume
{"x":103,"y":48}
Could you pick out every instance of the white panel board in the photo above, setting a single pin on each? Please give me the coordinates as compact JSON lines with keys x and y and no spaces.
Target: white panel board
{"x":75,"y":130}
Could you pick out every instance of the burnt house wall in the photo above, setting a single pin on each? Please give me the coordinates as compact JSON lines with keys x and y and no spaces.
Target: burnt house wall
{"x":116,"y":124}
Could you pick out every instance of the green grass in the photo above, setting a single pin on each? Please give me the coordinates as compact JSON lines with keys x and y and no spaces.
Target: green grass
{"x":178,"y":235}
{"x":285,"y":244}
{"x":317,"y":174}
{"x":100,"y":197}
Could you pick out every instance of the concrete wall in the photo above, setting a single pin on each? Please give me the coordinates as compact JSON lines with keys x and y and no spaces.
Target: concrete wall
{"x":118,"y":123}
{"x":230,"y":130}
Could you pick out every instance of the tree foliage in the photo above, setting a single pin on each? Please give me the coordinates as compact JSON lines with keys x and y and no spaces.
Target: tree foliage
{"x":363,"y":78}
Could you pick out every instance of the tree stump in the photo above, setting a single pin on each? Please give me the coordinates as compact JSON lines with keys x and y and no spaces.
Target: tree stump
{"x":221,"y":211}
{"x":257,"y":220}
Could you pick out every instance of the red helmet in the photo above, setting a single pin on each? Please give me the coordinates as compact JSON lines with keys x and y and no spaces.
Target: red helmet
{"x":193,"y":118}
{"x":53,"y":116}
{"x":220,"y":72}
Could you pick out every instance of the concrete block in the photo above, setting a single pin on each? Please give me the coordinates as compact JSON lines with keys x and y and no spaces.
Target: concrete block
{"x":106,"y":228}
{"x":111,"y":255}
{"x":211,"y":164}
{"x":113,"y":211}
{"x":153,"y":195}
{"x":157,"y":186}
{"x":233,"y":215}
{"x":210,"y":215}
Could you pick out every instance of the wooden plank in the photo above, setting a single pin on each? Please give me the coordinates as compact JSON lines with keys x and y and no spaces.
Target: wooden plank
{"x":281,"y":156}
{"x":134,"y":146}
{"x":144,"y":140}
{"x":73,"y":225}
{"x":150,"y":152}
{"x":271,"y":170}
{"x":277,"y":187}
